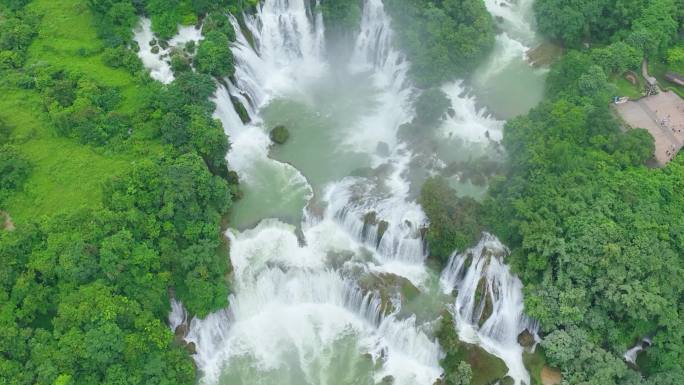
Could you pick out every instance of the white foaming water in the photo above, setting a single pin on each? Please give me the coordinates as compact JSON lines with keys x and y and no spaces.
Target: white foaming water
{"x":295,"y":298}
{"x":286,"y":51}
{"x":158,"y":63}
{"x":516,"y":16}
{"x":288,"y":303}
{"x":469,"y":121}
{"x":631,"y":354}
{"x":488,"y":294}
{"x":374,"y":52}
{"x":507,"y":50}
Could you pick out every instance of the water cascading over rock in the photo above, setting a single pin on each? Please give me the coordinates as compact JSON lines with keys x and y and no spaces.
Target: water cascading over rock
{"x":489,"y":308}
{"x":297,"y":307}
{"x":291,"y":305}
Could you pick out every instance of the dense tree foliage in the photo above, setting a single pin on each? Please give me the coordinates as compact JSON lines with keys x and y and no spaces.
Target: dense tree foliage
{"x":597,"y":237}
{"x":14,"y":170}
{"x":453,"y":221}
{"x":218,"y":21}
{"x":84,"y":294}
{"x":17,"y":29}
{"x":341,"y":16}
{"x":80,"y":108}
{"x":648,"y":25}
{"x":443,"y":38}
{"x":431,"y":106}
{"x":214,"y":56}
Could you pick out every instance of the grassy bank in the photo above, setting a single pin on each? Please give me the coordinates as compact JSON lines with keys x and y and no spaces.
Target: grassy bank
{"x":66,"y":175}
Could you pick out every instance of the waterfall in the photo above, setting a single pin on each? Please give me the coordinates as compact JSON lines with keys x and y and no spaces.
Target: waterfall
{"x":468,"y":121}
{"x":293,"y":302}
{"x":302,"y":310}
{"x":631,"y":355}
{"x":159,"y":63}
{"x":288,"y":302}
{"x":516,"y":16}
{"x":489,"y":303}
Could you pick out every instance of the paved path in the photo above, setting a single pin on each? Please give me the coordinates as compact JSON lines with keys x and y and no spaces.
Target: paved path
{"x":649,"y":113}
{"x":665,"y":130}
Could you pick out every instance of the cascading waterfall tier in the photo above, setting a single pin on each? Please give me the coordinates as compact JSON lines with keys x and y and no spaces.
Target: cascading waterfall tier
{"x":291,"y":306}
{"x":489,"y":305}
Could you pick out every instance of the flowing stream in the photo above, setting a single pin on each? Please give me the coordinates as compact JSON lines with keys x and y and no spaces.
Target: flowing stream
{"x":330,"y":282}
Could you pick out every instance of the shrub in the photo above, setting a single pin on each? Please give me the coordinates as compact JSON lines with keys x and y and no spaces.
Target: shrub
{"x":279,"y":134}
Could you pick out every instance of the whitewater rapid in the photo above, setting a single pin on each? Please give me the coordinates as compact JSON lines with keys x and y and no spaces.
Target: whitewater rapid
{"x":298,"y":301}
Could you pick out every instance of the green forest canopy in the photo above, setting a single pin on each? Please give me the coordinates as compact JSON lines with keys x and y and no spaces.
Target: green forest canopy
{"x":596,"y":236}
{"x":85,"y":281}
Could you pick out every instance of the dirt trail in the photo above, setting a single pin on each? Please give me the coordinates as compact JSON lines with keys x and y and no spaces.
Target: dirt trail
{"x":7,"y":223}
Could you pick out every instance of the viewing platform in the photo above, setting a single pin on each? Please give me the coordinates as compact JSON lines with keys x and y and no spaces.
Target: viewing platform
{"x":663,"y":116}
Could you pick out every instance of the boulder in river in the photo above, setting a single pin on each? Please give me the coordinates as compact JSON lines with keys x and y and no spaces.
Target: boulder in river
{"x":240,"y":110}
{"x":526,"y":339}
{"x":388,"y":286}
{"x":482,"y":295}
{"x":191,"y":348}
{"x":486,"y":367}
{"x":279,"y":134}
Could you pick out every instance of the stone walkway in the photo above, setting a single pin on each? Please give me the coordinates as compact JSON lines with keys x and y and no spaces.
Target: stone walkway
{"x":663,"y":116}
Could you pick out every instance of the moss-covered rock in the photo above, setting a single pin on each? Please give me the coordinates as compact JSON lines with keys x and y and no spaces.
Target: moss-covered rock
{"x":388,"y":286}
{"x":190,"y":47}
{"x":486,"y":368}
{"x":382,"y":228}
{"x":155,"y":49}
{"x":240,"y":110}
{"x":279,"y":134}
{"x":526,"y":339}
{"x":544,"y":54}
{"x":370,"y":219}
{"x":482,"y":297}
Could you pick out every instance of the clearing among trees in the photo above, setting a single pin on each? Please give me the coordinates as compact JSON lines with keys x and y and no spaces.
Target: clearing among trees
{"x":663,"y":116}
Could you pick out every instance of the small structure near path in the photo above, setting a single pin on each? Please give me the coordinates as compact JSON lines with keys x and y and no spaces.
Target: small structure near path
{"x":663,"y":116}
